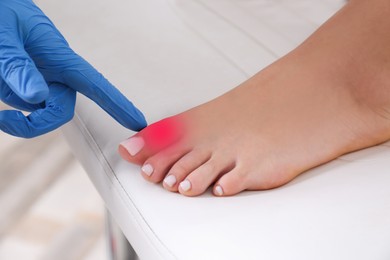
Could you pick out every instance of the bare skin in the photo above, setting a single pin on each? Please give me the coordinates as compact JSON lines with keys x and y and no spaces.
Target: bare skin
{"x":328,"y":97}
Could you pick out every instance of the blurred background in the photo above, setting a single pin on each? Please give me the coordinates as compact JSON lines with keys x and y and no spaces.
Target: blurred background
{"x":49,"y":208}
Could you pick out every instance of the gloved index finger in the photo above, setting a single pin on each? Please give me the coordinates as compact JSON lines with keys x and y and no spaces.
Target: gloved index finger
{"x":88,"y":81}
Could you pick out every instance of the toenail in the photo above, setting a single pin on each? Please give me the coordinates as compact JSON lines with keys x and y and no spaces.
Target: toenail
{"x":185,"y":185}
{"x":170,"y":180}
{"x":147,"y":169}
{"x":218,"y":190}
{"x":133,"y":145}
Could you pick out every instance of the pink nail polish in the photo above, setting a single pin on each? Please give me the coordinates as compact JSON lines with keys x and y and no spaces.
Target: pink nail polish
{"x":185,"y":185}
{"x":133,"y":145}
{"x":218,"y":190}
{"x":147,"y":169}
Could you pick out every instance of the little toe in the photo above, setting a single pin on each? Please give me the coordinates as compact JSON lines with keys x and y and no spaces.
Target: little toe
{"x":185,"y":166}
{"x":201,"y":178}
{"x":231,"y":183}
{"x":156,"y":167}
{"x":152,"y":139}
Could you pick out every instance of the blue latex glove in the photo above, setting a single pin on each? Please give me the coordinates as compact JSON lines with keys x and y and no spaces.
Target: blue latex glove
{"x":39,"y":73}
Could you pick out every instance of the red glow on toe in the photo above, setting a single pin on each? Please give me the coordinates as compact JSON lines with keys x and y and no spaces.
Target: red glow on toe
{"x":163,"y":133}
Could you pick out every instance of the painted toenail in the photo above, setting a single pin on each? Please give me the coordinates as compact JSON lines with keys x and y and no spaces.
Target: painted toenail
{"x":170,"y":180}
{"x":218,"y":190}
{"x":133,"y":145}
{"x":185,"y":185}
{"x":147,"y":169}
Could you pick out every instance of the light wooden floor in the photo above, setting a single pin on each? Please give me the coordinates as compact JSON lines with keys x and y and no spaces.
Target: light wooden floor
{"x":49,"y":208}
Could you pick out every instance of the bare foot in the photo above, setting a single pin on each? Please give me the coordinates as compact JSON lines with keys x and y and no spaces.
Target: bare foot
{"x":313,"y":105}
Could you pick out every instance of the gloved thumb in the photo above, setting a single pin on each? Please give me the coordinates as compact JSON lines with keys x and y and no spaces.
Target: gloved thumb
{"x":20,"y":73}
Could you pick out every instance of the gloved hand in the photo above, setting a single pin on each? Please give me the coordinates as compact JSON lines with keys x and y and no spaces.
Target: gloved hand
{"x":39,"y":73}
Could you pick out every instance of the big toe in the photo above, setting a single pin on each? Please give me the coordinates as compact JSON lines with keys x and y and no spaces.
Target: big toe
{"x":151,"y":140}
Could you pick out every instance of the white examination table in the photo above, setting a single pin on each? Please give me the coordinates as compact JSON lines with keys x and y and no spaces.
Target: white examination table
{"x":169,"y":55}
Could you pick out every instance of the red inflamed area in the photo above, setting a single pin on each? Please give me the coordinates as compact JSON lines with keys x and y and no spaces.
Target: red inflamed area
{"x":163,"y":133}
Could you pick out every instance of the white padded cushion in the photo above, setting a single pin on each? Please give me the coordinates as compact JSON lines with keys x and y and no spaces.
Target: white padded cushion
{"x":169,"y":55}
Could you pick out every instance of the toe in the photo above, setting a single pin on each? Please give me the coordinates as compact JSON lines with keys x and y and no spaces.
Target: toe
{"x":240,"y":179}
{"x":133,"y":150}
{"x":184,"y":166}
{"x":151,"y":140}
{"x":231,"y":183}
{"x":201,"y":178}
{"x":156,"y":167}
